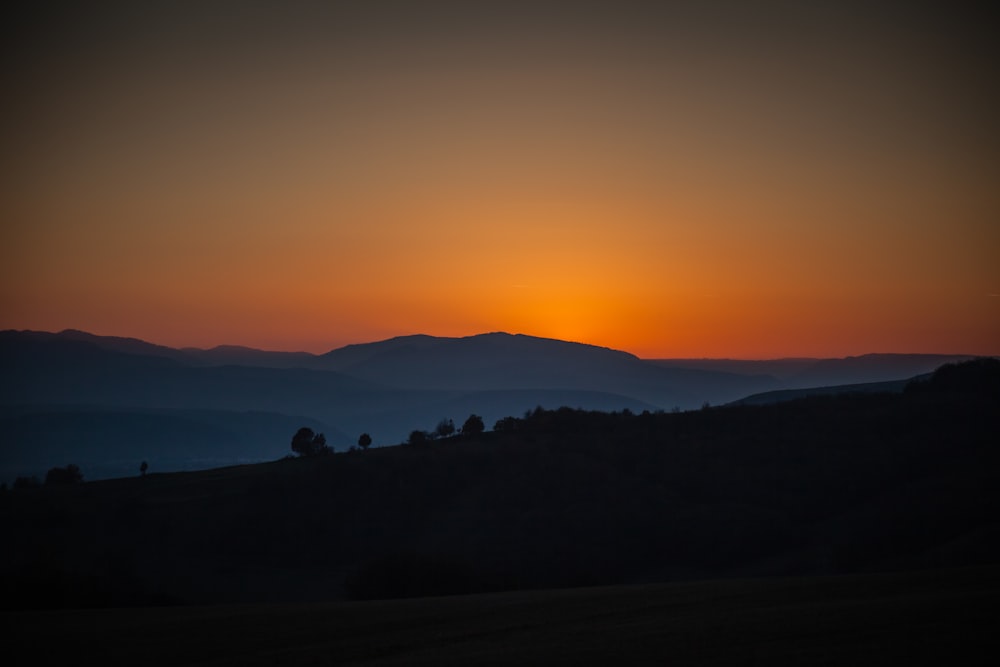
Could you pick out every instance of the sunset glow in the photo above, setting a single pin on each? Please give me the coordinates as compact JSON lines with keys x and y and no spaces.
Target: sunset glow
{"x":681,"y":183}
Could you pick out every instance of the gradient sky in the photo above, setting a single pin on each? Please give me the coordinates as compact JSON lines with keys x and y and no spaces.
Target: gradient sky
{"x":703,"y":180}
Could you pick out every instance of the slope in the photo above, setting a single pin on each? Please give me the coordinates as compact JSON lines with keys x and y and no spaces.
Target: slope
{"x":822,"y":485}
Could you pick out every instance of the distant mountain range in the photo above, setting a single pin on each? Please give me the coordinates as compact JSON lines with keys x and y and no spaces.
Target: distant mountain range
{"x":108,"y":403}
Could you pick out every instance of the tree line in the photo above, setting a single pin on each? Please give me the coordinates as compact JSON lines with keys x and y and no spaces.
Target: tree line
{"x":308,"y":443}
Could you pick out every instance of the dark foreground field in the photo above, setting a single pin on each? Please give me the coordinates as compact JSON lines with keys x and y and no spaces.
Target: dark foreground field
{"x":932,"y":618}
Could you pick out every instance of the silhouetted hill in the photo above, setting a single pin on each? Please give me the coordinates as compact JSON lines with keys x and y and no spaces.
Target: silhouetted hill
{"x":808,"y":373}
{"x":387,"y":388}
{"x":845,"y":483}
{"x":222,"y":355}
{"x":779,"y":369}
{"x":238,"y":355}
{"x":781,"y":395}
{"x":871,"y":368}
{"x":351,"y":355}
{"x":501,"y":361}
{"x":462,"y":359}
{"x":52,"y":371}
{"x":23,"y":355}
{"x":57,"y":371}
{"x":113,"y":343}
{"x":978,"y":377}
{"x":73,"y":381}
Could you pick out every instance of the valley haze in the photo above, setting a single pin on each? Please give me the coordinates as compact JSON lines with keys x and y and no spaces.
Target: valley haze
{"x":107,"y":403}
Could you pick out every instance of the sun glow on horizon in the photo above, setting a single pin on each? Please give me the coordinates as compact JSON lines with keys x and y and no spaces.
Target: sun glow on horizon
{"x":672,"y":183}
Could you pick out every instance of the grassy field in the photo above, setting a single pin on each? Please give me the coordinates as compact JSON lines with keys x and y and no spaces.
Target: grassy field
{"x":943,"y":617}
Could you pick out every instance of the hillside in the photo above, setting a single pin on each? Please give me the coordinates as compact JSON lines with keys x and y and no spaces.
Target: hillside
{"x":821,"y":485}
{"x":386,"y":389}
{"x":809,"y":373}
{"x":780,"y":395}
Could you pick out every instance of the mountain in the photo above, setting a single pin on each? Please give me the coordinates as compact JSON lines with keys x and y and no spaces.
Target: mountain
{"x":237,"y":355}
{"x":132,"y":346}
{"x":69,"y":399}
{"x":387,"y":388}
{"x":780,"y":369}
{"x":67,"y":371}
{"x":502,"y":361}
{"x":221,"y":355}
{"x":466,"y":360}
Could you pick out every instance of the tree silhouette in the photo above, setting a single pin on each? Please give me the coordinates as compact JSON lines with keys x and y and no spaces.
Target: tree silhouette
{"x":507,"y":424}
{"x":143,"y":467}
{"x":445,"y":428}
{"x":305,"y":442}
{"x":473,"y":425}
{"x":26,"y":482}
{"x":364,"y":441}
{"x":69,"y":475}
{"x":417,"y":437}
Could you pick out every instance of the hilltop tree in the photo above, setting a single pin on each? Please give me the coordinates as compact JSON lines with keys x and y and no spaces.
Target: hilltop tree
{"x":307,"y":443}
{"x":473,"y":425}
{"x":26,"y":482}
{"x":364,"y":441}
{"x":507,"y":424}
{"x":444,"y":428}
{"x":143,"y":468}
{"x":69,"y":475}
{"x":417,"y":437}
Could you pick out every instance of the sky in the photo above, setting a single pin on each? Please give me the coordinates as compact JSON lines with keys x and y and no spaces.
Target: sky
{"x":711,"y":179}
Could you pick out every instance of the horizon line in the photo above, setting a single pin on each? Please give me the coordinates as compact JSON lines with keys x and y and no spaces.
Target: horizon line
{"x":73,"y":330}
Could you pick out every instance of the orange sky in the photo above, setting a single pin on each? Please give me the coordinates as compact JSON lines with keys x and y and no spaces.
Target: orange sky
{"x":692,"y":182}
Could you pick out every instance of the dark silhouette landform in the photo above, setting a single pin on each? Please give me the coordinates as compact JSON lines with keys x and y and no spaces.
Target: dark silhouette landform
{"x":108,"y":403}
{"x":820,"y":485}
{"x":835,"y":528}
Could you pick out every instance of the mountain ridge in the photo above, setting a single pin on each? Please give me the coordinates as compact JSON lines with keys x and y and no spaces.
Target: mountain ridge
{"x":386,"y":388}
{"x":122,"y":342}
